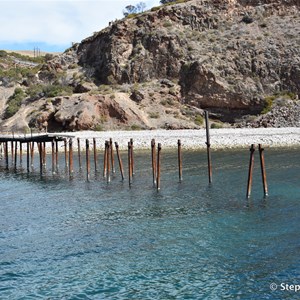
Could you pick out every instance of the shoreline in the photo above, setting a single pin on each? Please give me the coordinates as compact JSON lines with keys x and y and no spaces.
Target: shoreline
{"x":193,"y":139}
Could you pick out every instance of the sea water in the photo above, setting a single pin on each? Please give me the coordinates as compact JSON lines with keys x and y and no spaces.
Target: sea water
{"x":66,"y":238}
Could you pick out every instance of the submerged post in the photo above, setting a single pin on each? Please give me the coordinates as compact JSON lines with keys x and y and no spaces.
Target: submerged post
{"x":263,"y":169}
{"x":12,"y":150}
{"x":28,"y":156}
{"x":56,"y":154}
{"x":95,"y":153}
{"x":66,"y":153}
{"x":132,"y":159}
{"x":129,"y":164}
{"x":87,"y":154}
{"x":105,"y":160}
{"x":16,"y":154}
{"x":153,"y":159}
{"x":158,"y":166}
{"x":32,"y":153}
{"x":120,"y":160}
{"x":107,"y":145}
{"x":70,"y":157}
{"x":250,"y":172}
{"x":44,"y":153}
{"x":79,"y":153}
{"x":112,"y":155}
{"x":179,"y":161}
{"x":208,"y":147}
{"x":40,"y":147}
{"x":21,"y":153}
{"x":53,"y":155}
{"x":6,"y":155}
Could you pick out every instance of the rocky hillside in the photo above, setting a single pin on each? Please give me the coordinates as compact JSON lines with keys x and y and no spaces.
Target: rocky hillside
{"x":239,"y":59}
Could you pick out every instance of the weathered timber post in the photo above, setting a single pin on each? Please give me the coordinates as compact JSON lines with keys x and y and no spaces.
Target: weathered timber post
{"x":208,"y":148}
{"x":71,"y":157}
{"x":21,"y":153}
{"x":28,"y":156}
{"x":105,"y":160}
{"x":56,"y":154}
{"x":179,"y":161}
{"x":95,"y":154}
{"x":40,"y":147}
{"x":153,"y":159}
{"x":158,"y":166}
{"x":129,"y":164}
{"x":132,"y":158}
{"x":119,"y":160}
{"x":6,"y":155}
{"x":250,"y":172}
{"x":32,"y":153}
{"x":87,"y":153}
{"x":16,"y":154}
{"x":79,"y":153}
{"x":53,"y":155}
{"x":107,"y":145}
{"x":66,"y":153}
{"x":44,"y":153}
{"x":112,"y":156}
{"x":263,"y":169}
{"x":12,"y":150}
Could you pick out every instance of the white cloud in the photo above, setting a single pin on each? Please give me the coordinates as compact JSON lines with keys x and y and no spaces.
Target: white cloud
{"x":58,"y":22}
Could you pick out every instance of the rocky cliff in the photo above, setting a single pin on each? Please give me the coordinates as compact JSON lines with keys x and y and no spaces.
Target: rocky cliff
{"x":162,"y":67}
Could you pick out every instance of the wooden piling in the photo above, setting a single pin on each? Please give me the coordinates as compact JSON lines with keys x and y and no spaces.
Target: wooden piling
{"x":6,"y":154}
{"x":56,"y":154}
{"x":263,"y":169}
{"x":87,"y":151}
{"x":28,"y":156}
{"x":40,"y":147}
{"x":21,"y":153}
{"x":44,"y":153}
{"x":179,"y":160}
{"x":250,"y":172}
{"x":208,"y":148}
{"x":66,"y":153}
{"x":105,"y":160}
{"x":132,"y":157}
{"x":16,"y":154}
{"x":112,"y":156}
{"x":129,"y":164}
{"x":107,"y":145}
{"x":95,"y":153}
{"x":153,"y":159}
{"x":119,"y":160}
{"x":12,"y":151}
{"x":71,"y":157}
{"x":53,"y":155}
{"x":79,"y":153}
{"x":31,"y":153}
{"x":158,"y":166}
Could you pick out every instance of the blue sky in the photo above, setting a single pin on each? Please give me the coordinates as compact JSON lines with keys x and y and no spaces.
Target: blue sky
{"x":54,"y":25}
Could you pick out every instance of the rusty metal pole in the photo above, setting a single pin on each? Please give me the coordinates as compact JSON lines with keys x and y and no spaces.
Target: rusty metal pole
{"x":21,"y":153}
{"x":263,"y":169}
{"x":87,"y":152}
{"x":56,"y":154}
{"x":250,"y":172}
{"x":208,"y":148}
{"x":158,"y":166}
{"x":79,"y":153}
{"x":153,"y":159}
{"x":71,"y":157}
{"x":28,"y":156}
{"x":129,"y":164}
{"x":132,"y":158}
{"x":66,"y":153}
{"x":119,"y":160}
{"x":32,"y":153}
{"x":107,"y":160}
{"x":179,"y":161}
{"x":53,"y":155}
{"x":44,"y":153}
{"x":112,"y":156}
{"x":6,"y":155}
{"x":16,"y":154}
{"x":95,"y":154}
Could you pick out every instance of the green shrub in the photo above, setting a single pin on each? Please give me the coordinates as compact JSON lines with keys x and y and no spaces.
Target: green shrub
{"x":216,"y":126}
{"x":198,"y":120}
{"x":14,"y":103}
{"x":268,"y":102}
{"x":136,"y":127}
{"x":154,"y":115}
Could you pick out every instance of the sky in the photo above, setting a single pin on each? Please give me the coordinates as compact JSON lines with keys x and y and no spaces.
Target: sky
{"x":53,"y":25}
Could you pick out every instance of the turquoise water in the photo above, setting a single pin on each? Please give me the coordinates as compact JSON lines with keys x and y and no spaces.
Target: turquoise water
{"x":72,"y":239}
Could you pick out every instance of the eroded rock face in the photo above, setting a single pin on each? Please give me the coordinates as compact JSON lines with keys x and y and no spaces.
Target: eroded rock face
{"x":221,"y":61}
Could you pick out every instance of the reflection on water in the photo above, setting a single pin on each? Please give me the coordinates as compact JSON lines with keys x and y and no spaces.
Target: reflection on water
{"x":63,"y":238}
